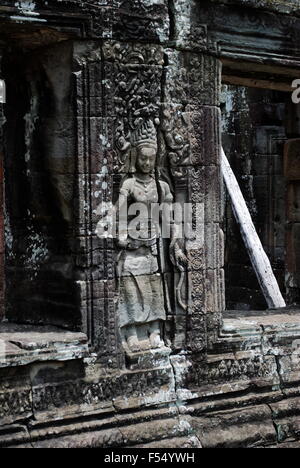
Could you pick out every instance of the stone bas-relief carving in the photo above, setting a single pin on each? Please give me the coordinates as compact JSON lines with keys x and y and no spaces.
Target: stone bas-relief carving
{"x":142,"y":301}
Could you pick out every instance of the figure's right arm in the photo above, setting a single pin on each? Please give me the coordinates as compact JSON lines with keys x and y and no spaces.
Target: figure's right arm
{"x":121,"y":208}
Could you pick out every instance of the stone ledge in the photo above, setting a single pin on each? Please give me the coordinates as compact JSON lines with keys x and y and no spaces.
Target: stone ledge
{"x":267,"y":335}
{"x":251,"y":426}
{"x":287,"y":324}
{"x":23,"y":344}
{"x":278,"y":6}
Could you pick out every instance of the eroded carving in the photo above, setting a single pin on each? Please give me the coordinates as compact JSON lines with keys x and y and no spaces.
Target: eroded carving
{"x":143,"y":301}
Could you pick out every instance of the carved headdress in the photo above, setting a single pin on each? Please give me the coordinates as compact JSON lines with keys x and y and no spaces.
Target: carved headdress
{"x":145,"y":134}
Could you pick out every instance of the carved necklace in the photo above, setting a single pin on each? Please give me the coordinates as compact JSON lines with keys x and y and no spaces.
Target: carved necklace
{"x":145,"y":182}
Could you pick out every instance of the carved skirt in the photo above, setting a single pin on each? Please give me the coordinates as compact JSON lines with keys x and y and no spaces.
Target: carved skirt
{"x":141,"y":289}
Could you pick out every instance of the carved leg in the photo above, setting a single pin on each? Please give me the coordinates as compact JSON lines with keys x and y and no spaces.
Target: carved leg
{"x":155,"y":338}
{"x":143,"y":336}
{"x":123,"y":338}
{"x":132,"y":339}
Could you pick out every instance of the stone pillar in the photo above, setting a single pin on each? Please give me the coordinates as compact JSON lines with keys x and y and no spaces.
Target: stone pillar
{"x":192,"y":91}
{"x":2,"y":240}
{"x":95,"y":257}
{"x":292,"y":175}
{"x":116,"y":87}
{"x":119,"y":86}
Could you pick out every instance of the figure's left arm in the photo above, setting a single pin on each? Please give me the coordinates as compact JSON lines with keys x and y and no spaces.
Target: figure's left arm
{"x":177,"y":255}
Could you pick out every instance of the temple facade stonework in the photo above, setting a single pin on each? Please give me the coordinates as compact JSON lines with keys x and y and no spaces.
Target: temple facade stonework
{"x":112,"y":333}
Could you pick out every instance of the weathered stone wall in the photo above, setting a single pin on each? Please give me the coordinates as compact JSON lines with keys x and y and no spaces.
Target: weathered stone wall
{"x":254,"y":134}
{"x":292,"y":204}
{"x":39,"y":183}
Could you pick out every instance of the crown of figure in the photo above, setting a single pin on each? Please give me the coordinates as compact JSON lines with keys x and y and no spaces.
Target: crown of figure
{"x":146,"y":133}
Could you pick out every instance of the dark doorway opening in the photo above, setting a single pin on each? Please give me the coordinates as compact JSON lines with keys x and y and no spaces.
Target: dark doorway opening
{"x":38,"y":216}
{"x":256,"y":125}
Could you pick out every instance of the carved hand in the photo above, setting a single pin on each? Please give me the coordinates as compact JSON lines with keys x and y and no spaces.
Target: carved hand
{"x":126,"y":244}
{"x":178,"y":257}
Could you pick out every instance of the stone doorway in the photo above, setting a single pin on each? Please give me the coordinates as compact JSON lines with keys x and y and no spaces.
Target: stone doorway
{"x":257,"y":126}
{"x":254,"y":133}
{"x":2,"y":242}
{"x":37,"y":186}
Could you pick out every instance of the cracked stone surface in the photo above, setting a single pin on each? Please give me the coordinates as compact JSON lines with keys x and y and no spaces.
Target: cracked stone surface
{"x":21,"y":344}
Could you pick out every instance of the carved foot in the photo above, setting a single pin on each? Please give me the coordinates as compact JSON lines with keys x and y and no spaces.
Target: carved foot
{"x":156,"y":341}
{"x":133,"y":344}
{"x":125,"y":346}
{"x":145,"y":345}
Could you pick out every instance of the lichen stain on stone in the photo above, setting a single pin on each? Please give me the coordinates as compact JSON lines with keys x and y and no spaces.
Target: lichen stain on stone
{"x":8,"y":236}
{"x":37,"y":251}
{"x":26,"y":6}
{"x":163,"y":396}
{"x":31,"y":119}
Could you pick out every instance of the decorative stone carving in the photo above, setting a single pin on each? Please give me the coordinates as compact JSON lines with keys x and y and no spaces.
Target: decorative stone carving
{"x":243,"y":367}
{"x":142,"y":301}
{"x":138,"y":19}
{"x":133,"y":78}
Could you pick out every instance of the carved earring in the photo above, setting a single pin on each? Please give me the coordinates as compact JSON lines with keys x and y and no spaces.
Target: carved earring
{"x":132,"y":164}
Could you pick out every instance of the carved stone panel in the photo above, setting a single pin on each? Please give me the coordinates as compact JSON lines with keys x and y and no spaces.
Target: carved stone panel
{"x":143,"y":139}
